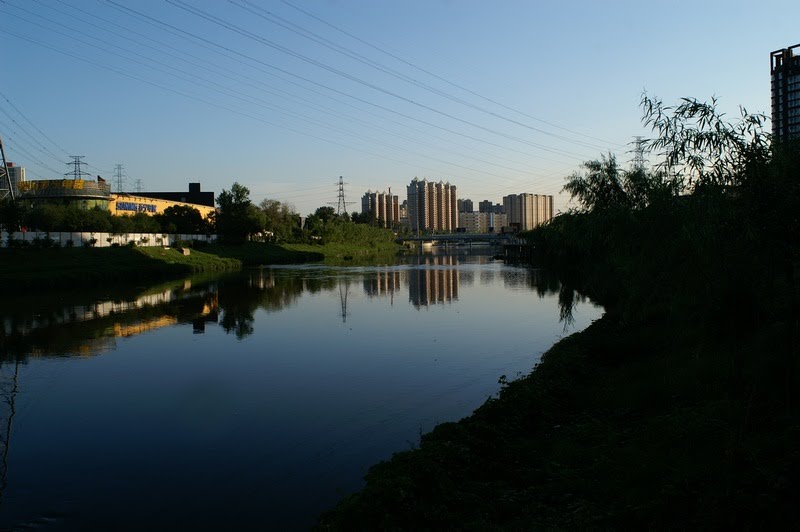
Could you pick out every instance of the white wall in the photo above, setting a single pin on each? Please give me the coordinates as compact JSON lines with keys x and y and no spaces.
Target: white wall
{"x":103,"y":239}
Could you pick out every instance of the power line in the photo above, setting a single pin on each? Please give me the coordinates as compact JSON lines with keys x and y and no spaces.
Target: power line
{"x":275,"y":19}
{"x":237,"y":29}
{"x":434,"y":75}
{"x":151,"y":20}
{"x":170,"y":71}
{"x":32,"y":124}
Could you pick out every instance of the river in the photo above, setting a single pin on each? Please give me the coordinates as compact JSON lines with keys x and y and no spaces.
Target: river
{"x":252,"y":400}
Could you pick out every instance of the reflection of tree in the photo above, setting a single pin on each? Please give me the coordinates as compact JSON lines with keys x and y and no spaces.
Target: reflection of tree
{"x":241,"y":296}
{"x":543,"y":281}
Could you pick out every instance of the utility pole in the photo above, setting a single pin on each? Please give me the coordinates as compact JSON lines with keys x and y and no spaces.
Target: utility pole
{"x":76,"y":172}
{"x":6,"y":189}
{"x":341,"y":204}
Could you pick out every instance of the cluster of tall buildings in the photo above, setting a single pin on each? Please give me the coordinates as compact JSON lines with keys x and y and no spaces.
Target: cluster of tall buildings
{"x":434,"y":207}
{"x":383,"y":208}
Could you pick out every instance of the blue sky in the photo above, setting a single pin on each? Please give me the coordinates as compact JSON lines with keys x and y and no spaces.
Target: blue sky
{"x":285,"y":96}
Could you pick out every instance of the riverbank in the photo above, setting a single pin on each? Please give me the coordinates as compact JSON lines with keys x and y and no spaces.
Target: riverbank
{"x":656,"y":425}
{"x":25,"y":269}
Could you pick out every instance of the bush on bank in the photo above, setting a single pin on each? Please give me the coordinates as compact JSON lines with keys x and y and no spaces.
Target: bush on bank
{"x":676,"y":409}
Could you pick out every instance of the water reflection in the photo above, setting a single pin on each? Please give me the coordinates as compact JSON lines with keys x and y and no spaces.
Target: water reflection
{"x":89,"y":327}
{"x":317,"y":380}
{"x":434,"y":282}
{"x":86,"y":327}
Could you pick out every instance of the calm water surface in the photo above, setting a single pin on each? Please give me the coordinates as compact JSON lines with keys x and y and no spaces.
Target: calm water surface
{"x":255,"y":400}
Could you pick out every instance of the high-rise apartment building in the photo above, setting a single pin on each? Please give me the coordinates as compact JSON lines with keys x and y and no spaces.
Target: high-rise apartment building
{"x":785,"y":74}
{"x":16,"y":174}
{"x":432,"y":206}
{"x":465,"y":205}
{"x":526,"y":211}
{"x":382,"y":207}
{"x":481,"y":222}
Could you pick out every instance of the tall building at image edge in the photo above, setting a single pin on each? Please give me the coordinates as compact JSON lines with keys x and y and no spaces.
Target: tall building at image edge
{"x":432,"y":207}
{"x":785,"y":85}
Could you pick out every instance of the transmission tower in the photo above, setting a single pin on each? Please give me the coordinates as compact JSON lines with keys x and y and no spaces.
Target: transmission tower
{"x":341,"y":205}
{"x":638,"y":153}
{"x":77,"y":172}
{"x":6,"y":190}
{"x":138,"y":185}
{"x":119,"y":174}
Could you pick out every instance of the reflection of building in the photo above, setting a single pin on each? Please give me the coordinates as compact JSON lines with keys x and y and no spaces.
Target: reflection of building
{"x":89,"y":329}
{"x":435,"y":282}
{"x":526,"y":211}
{"x":381,"y":284}
{"x":785,"y":74}
{"x":432,"y":206}
{"x":383,"y":207}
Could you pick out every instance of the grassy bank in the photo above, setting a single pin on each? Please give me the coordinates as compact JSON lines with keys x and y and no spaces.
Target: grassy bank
{"x":642,"y":427}
{"x":24,"y":269}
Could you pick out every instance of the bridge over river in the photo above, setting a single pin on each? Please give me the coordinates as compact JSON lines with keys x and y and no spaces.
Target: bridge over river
{"x":513,"y":249}
{"x":462,"y":238}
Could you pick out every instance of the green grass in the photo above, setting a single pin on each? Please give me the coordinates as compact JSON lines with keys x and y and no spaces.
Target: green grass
{"x":27,"y":269}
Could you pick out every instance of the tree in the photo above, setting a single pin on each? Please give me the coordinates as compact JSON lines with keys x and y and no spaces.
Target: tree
{"x":604,"y":185}
{"x":183,"y":219}
{"x":238,"y":218}
{"x":280,"y":219}
{"x":325,"y":214}
{"x":11,"y":215}
{"x":700,"y":147}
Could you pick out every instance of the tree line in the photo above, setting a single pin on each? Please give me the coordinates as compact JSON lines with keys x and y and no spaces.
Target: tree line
{"x":236,"y":220}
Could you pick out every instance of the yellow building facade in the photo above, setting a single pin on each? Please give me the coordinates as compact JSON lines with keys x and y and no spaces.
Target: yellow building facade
{"x":128,"y":205}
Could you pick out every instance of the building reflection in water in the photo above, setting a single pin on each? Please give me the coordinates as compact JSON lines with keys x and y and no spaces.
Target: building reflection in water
{"x":384,"y":283}
{"x":434,"y":282}
{"x":89,"y":328}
